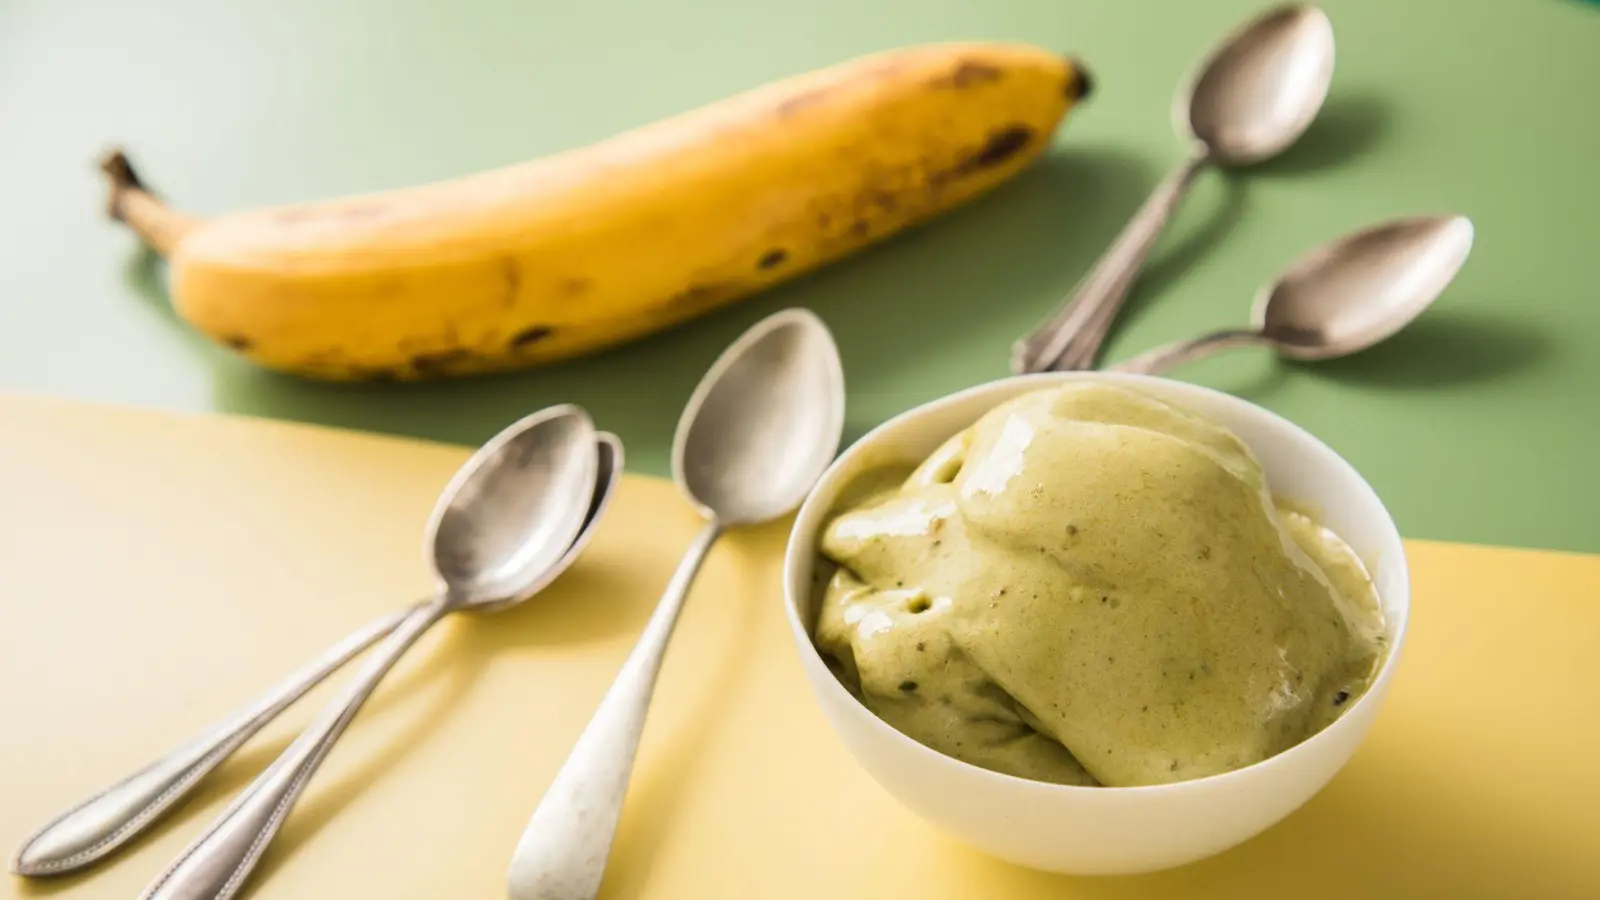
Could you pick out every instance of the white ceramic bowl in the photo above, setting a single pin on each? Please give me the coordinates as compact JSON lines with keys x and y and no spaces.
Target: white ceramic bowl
{"x":1104,"y":830}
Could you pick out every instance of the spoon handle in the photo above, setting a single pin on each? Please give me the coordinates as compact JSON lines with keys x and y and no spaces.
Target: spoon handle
{"x":1178,"y":353}
{"x":1101,"y":293}
{"x":216,"y":865}
{"x":114,"y":816}
{"x":563,"y":850}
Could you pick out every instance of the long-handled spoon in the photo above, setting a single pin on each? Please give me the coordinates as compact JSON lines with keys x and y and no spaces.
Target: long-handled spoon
{"x":504,"y":521}
{"x":1250,"y":100}
{"x":116,"y":815}
{"x":758,"y":431}
{"x":1340,"y":298}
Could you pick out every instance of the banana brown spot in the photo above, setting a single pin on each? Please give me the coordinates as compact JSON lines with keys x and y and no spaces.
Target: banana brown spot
{"x":572,"y":287}
{"x":859,"y":228}
{"x":511,"y":274}
{"x":968,"y":74}
{"x":1080,"y":84}
{"x":434,"y":362}
{"x":772,"y":258}
{"x":238,"y":342}
{"x":703,"y":295}
{"x":528,"y":335}
{"x":1001,"y":147}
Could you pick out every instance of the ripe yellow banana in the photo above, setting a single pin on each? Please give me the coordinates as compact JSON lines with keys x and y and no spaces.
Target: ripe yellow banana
{"x":589,"y":248}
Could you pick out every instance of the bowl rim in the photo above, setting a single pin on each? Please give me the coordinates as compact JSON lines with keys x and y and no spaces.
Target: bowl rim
{"x":794,"y":556}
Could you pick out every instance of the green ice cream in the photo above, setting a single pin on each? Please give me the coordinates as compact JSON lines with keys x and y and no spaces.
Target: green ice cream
{"x":1091,"y":586}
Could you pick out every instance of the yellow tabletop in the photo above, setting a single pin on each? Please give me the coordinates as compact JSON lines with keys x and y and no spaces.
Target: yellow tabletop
{"x":157,"y":571}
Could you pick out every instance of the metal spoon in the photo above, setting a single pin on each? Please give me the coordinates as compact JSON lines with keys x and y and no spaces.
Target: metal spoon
{"x":504,"y":521}
{"x":1342,"y":297}
{"x":1248,"y":102}
{"x":114,"y":816}
{"x":758,"y":431}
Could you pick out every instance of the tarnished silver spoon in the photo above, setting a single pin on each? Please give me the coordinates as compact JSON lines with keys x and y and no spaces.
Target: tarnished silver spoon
{"x":1249,"y":101}
{"x":759,"y":430}
{"x":1340,"y":298}
{"x":505,"y":519}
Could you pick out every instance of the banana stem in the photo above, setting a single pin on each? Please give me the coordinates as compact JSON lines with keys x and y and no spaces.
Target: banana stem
{"x":131,"y":203}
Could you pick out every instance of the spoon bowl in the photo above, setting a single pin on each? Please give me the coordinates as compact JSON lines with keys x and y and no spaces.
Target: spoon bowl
{"x":755,"y":433}
{"x":511,"y":512}
{"x":1361,"y":289}
{"x":609,"y":461}
{"x":1340,"y":298}
{"x":1259,"y":92}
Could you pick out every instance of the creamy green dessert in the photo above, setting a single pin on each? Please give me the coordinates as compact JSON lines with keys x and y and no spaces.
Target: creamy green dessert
{"x":1092,"y":586}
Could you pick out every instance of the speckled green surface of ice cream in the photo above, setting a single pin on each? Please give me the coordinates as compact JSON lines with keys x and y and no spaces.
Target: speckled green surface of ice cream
{"x":1091,"y":586}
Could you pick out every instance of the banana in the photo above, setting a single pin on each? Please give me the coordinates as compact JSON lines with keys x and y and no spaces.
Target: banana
{"x":586,"y":249}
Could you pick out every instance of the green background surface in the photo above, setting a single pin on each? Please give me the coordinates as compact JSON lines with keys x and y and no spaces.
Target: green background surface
{"x":1477,"y":424}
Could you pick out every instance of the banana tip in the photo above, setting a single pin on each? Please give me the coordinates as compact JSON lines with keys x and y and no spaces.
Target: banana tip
{"x":119,"y":171}
{"x":119,"y":168}
{"x":1081,"y":84}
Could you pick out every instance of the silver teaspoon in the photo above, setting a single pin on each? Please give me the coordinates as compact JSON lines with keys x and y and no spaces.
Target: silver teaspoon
{"x":1340,"y":298}
{"x":1249,"y":101}
{"x":116,"y":815}
{"x":758,"y":432}
{"x":506,"y":518}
